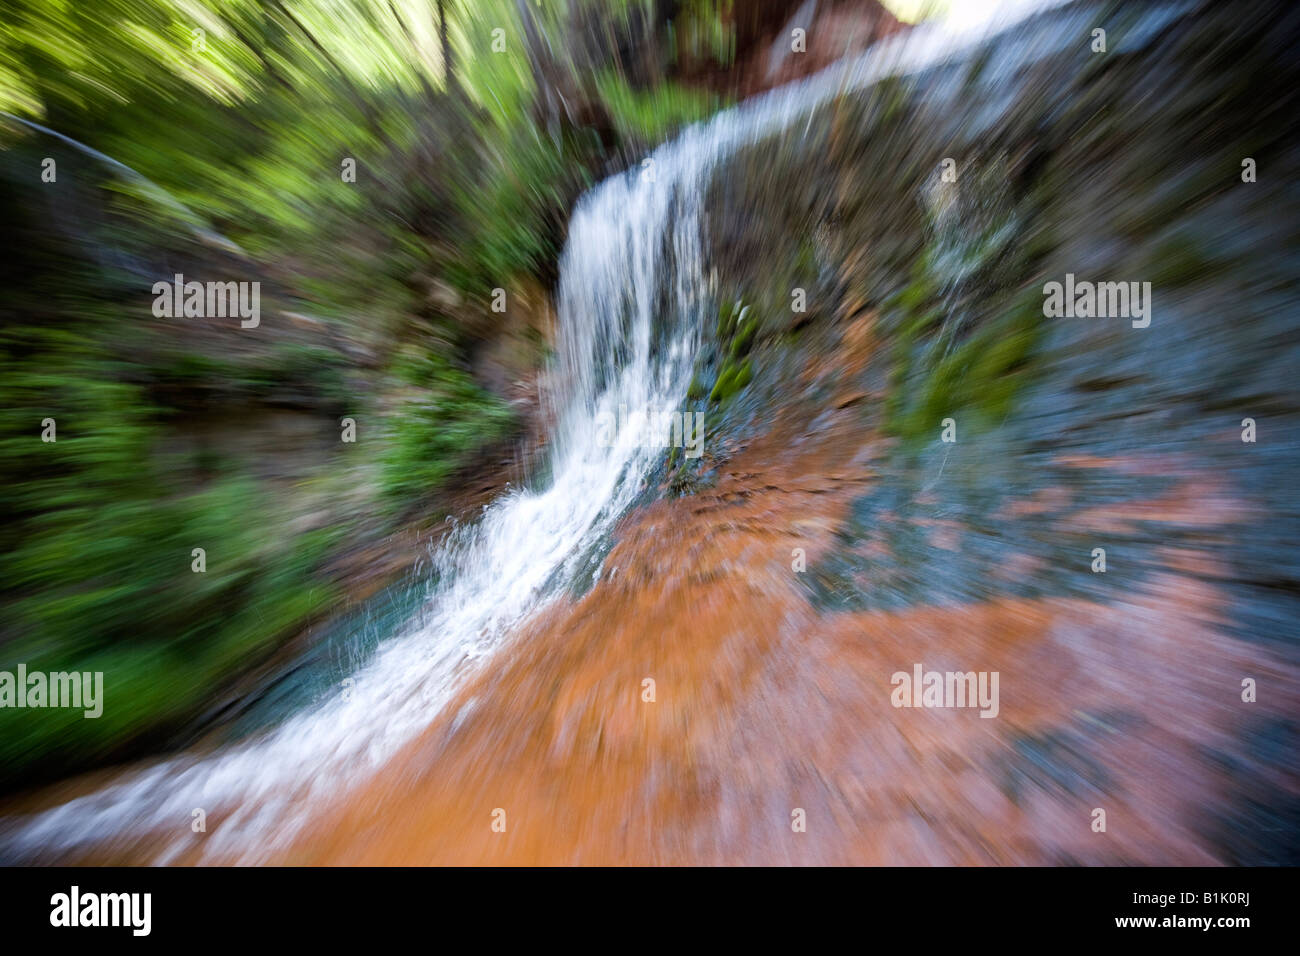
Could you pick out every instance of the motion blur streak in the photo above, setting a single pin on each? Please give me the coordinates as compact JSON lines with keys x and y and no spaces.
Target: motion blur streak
{"x":518,"y":684}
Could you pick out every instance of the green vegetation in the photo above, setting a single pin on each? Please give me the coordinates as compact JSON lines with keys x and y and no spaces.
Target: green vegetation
{"x":735,"y":336}
{"x":439,"y":428}
{"x":650,"y":116}
{"x":935,"y":376}
{"x":961,"y":343}
{"x":215,"y":140}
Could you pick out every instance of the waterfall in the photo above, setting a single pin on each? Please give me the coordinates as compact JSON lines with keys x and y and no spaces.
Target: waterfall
{"x":631,"y":304}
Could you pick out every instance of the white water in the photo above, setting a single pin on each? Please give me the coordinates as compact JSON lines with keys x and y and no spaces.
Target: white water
{"x":631,"y":240}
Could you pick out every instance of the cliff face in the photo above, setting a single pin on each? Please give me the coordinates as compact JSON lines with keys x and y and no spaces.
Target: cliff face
{"x":1087,"y":491}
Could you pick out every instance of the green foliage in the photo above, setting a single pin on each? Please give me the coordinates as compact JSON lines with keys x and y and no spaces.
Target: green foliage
{"x":649,"y":116}
{"x":222,"y":159}
{"x":514,"y":210}
{"x":437,"y":430}
{"x":96,"y":559}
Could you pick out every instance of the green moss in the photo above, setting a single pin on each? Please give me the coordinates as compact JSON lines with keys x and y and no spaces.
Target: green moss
{"x":933,"y":377}
{"x":733,"y":378}
{"x":728,"y":315}
{"x":697,"y":389}
{"x":744,"y":337}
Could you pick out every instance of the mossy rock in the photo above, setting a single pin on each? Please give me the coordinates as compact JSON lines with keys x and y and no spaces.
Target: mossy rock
{"x":697,"y":389}
{"x":729,"y":313}
{"x":732,"y":380}
{"x":745,"y":332}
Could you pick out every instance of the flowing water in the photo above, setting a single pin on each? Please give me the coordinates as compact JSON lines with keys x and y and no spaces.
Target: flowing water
{"x":632,"y":301}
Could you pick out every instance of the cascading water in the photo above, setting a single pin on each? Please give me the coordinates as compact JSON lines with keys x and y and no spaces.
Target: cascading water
{"x":632,"y":298}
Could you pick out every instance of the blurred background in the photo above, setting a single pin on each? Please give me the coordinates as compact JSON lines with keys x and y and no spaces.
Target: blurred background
{"x":218,"y":139}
